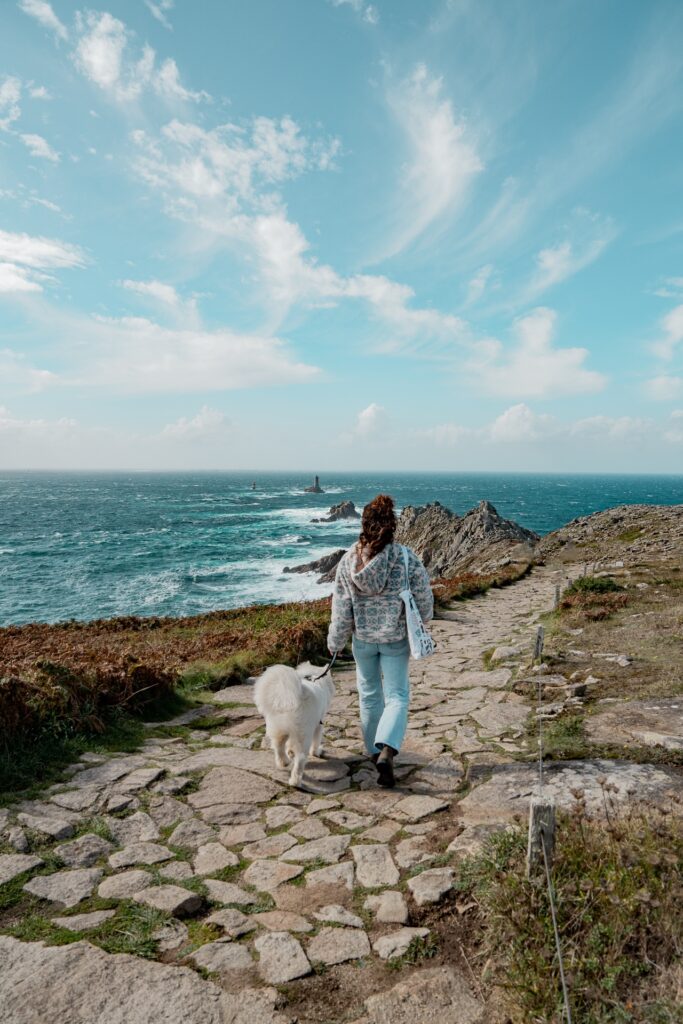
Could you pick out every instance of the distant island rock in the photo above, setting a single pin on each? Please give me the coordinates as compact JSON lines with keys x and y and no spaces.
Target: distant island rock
{"x":315,"y":487}
{"x":479,"y":541}
{"x":344,"y":510}
{"x":327,"y":566}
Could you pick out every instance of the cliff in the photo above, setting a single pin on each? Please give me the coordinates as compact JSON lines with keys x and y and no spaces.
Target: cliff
{"x":480,"y":541}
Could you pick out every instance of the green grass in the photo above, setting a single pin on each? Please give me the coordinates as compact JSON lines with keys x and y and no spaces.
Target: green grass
{"x":632,"y":534}
{"x":130,"y":931}
{"x":594,"y":585}
{"x":618,"y":891}
{"x":419,"y":949}
{"x":27,"y":766}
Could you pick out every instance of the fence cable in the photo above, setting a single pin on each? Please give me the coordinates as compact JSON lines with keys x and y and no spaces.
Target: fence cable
{"x":553,"y":914}
{"x":546,"y":860}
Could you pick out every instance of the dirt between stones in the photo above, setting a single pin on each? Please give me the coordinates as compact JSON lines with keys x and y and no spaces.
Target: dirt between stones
{"x":340,"y":992}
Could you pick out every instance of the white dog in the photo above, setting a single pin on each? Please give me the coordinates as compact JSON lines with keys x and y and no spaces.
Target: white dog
{"x":294,"y":705}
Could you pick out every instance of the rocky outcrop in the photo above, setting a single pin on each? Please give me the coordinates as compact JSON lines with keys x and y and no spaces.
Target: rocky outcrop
{"x":639,"y":531}
{"x":479,"y":541}
{"x":315,"y":487}
{"x":326,"y":566}
{"x":344,"y":510}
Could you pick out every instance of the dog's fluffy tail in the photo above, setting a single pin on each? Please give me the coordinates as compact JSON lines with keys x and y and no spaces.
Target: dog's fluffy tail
{"x":278,"y":690}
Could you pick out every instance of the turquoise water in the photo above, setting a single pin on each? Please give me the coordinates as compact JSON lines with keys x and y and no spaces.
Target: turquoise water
{"x":84,"y":546}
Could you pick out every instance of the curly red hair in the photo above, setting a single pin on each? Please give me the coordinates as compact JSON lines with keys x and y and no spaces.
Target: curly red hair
{"x":378,"y":524}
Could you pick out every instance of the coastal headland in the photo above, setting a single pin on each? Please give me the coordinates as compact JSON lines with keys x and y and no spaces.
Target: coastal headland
{"x":155,"y":866}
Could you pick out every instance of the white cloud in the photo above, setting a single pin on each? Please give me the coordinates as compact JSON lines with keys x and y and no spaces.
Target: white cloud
{"x":368,"y":12}
{"x":25,"y":258}
{"x":16,"y":372}
{"x":42,"y":11}
{"x":39,"y":92}
{"x":519,"y":423}
{"x":12,"y":425}
{"x":478,"y":284}
{"x":38,"y":146}
{"x":370,"y":420}
{"x":10,"y":94}
{"x":446,"y":434}
{"x":165,"y":293}
{"x":102,"y":55}
{"x":184,"y":311}
{"x":672,"y":288}
{"x":137,"y":355}
{"x":672,"y":324}
{"x":616,"y":428}
{"x":675,"y":433}
{"x":207,"y":423}
{"x":588,"y":236}
{"x":160,"y":10}
{"x":230,"y":161}
{"x":292,"y":276}
{"x":372,"y":424}
{"x":16,"y":279}
{"x":442,"y":162}
{"x":665,"y":388}
{"x":534,"y":367}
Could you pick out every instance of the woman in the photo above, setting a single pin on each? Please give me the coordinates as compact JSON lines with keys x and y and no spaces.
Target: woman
{"x":367,"y":604}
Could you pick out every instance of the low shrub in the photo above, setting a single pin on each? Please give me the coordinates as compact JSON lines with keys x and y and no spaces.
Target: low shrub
{"x":594,"y":585}
{"x":594,"y":597}
{"x":618,"y":893}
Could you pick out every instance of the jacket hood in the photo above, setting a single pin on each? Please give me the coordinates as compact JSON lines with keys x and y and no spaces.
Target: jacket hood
{"x":373,"y":578}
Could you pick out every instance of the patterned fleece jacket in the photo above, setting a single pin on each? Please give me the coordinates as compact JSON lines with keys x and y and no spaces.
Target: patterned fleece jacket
{"x":367,"y":603}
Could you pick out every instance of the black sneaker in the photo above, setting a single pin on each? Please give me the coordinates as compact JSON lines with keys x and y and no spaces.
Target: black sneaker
{"x":385,"y":768}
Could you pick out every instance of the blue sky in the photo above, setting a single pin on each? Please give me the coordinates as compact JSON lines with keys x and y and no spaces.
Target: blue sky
{"x":320,"y":234}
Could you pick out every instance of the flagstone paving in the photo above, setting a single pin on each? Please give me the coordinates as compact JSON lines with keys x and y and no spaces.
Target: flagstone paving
{"x":271,"y":881}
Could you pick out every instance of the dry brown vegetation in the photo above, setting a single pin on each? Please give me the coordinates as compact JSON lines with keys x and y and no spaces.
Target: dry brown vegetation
{"x":468,"y":584}
{"x":617,"y":888}
{"x":57,"y":681}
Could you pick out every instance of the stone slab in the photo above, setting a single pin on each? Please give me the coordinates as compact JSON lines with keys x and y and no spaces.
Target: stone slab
{"x":172,"y":899}
{"x":337,"y":945}
{"x":67,"y":888}
{"x":139,"y":853}
{"x":650,"y":723}
{"x":14,"y":864}
{"x":375,"y":867}
{"x":397,"y":943}
{"x":84,"y":985}
{"x":281,"y":958}
{"x":83,"y":922}
{"x":508,"y":791}
{"x":222,"y":956}
{"x":329,"y":850}
{"x":441,"y":994}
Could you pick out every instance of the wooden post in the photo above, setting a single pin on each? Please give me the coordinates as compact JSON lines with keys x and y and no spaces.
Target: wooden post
{"x":556,"y":604}
{"x":538,"y":646}
{"x":541,"y":828}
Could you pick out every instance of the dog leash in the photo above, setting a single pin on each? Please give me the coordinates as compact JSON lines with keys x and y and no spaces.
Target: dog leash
{"x":327,"y":668}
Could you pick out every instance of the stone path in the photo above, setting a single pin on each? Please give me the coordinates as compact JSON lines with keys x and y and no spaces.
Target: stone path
{"x":256,"y":884}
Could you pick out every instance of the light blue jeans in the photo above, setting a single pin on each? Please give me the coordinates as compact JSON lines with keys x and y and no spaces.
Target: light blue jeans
{"x":383,"y":691}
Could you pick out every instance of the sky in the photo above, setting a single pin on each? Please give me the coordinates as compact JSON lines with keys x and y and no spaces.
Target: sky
{"x":335,"y":234}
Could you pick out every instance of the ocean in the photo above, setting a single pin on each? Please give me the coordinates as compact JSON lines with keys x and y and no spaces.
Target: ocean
{"x":89,"y":545}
